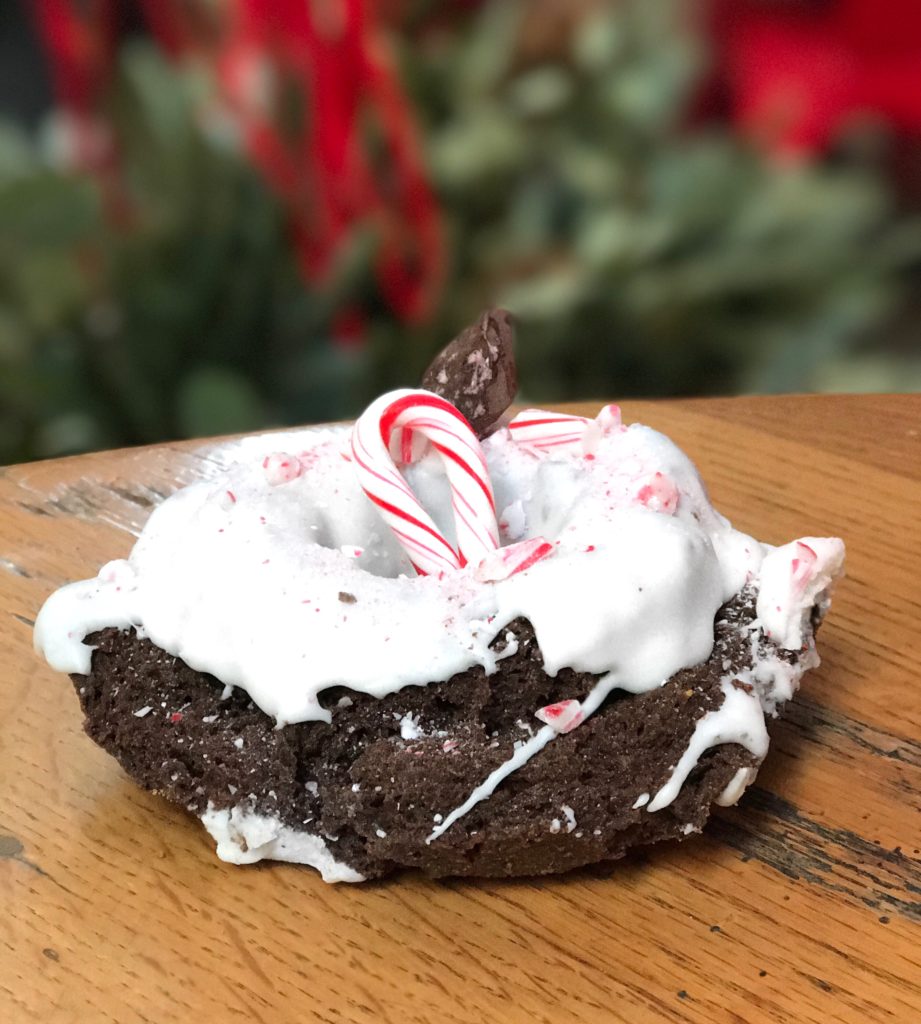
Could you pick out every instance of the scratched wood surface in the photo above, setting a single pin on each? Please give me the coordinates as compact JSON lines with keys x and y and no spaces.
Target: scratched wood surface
{"x":801,"y":904}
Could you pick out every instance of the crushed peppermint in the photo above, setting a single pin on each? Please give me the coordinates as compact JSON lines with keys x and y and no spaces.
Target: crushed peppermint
{"x":562,"y":717}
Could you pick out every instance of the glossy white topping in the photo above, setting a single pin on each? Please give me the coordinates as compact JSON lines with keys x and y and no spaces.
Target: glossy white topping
{"x":287,"y":582}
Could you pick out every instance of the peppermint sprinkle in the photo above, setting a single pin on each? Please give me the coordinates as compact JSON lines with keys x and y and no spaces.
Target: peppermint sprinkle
{"x":562,"y":717}
{"x":281,"y":468}
{"x":515,"y":558}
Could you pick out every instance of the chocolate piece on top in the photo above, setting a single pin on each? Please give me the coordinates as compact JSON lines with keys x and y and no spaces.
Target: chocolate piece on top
{"x":476,"y":371}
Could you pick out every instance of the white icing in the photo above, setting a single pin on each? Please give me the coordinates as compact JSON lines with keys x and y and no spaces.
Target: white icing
{"x":245,"y":838}
{"x":409,"y":728}
{"x":736,"y":786}
{"x":739,"y":719}
{"x":523,"y":753}
{"x":773,"y":679}
{"x":513,"y":522}
{"x":789,"y":591}
{"x":510,"y":648}
{"x":243,"y":578}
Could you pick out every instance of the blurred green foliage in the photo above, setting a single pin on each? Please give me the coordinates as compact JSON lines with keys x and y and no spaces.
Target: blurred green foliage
{"x":641,"y":256}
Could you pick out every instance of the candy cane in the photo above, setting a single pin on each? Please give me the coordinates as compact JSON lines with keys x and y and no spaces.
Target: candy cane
{"x":539,"y":429}
{"x":543,"y":431}
{"x":511,"y":560}
{"x":388,"y":430}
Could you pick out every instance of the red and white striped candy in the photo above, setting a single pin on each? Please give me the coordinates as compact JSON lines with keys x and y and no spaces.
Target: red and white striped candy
{"x":541,"y":430}
{"x":507,"y":561}
{"x":391,"y":428}
{"x":562,"y":717}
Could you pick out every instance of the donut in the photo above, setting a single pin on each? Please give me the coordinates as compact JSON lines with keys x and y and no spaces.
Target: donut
{"x":510,"y":648}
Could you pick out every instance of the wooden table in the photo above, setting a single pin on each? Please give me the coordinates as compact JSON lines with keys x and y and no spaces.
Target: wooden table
{"x":802,"y":904}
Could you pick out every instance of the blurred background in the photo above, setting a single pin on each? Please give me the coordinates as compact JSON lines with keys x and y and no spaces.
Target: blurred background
{"x":217,"y":215}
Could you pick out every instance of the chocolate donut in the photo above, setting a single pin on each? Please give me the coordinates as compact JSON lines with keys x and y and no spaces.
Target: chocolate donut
{"x":589,"y":671}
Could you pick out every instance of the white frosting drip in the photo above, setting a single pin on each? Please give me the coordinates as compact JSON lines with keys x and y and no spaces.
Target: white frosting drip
{"x":739,"y":719}
{"x":523,"y":753}
{"x":244,"y":837}
{"x":736,"y":786}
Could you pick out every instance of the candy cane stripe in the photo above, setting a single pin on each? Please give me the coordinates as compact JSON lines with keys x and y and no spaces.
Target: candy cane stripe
{"x":415,"y":399}
{"x":538,"y":430}
{"x":419,"y":546}
{"x":565,"y":439}
{"x":520,"y":423}
{"x":412,"y":520}
{"x":467,"y":468}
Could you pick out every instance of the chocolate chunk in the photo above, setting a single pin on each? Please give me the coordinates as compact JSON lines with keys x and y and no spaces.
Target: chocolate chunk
{"x":476,"y":371}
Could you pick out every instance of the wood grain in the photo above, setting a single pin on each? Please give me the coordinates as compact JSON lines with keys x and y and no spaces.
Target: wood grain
{"x":801,"y":904}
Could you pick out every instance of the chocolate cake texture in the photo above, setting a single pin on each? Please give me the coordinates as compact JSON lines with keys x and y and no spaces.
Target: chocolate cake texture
{"x":373,"y":780}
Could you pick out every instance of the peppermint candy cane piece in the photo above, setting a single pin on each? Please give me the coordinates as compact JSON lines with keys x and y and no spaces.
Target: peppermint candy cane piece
{"x":508,"y":561}
{"x":544,"y":431}
{"x":539,"y":429}
{"x":659,"y":494}
{"x":387,"y":430}
{"x":281,"y":468}
{"x":562,"y":717}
